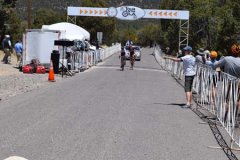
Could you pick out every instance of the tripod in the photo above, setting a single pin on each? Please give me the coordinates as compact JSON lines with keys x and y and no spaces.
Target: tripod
{"x":64,"y":43}
{"x":65,"y":70}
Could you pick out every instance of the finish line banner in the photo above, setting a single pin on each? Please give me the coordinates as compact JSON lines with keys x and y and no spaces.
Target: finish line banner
{"x":128,"y":13}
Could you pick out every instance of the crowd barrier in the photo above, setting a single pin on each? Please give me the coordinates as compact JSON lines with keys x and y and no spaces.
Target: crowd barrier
{"x":82,"y":60}
{"x":216,"y":92}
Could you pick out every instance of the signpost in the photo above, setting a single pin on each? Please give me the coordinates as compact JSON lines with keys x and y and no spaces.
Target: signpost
{"x":99,"y":37}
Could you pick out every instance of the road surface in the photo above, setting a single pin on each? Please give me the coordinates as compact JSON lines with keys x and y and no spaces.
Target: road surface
{"x":106,"y":114}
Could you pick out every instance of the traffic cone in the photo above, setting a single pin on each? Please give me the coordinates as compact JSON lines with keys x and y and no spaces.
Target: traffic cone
{"x":51,"y":74}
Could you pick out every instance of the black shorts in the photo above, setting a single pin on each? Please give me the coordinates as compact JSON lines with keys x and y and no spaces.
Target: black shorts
{"x":188,"y":83}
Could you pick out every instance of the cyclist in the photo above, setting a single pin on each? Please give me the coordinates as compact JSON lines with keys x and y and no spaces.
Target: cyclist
{"x":122,"y":58}
{"x":132,"y":57}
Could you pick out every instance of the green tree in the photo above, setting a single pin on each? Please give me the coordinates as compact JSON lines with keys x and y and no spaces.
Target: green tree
{"x":15,"y":27}
{"x":214,"y":24}
{"x":47,"y":17}
{"x":96,"y":24}
{"x":8,"y":18}
{"x":149,"y":34}
{"x":229,"y":26}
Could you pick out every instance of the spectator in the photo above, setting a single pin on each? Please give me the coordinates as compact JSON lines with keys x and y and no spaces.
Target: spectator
{"x":7,"y":46}
{"x":200,"y":58}
{"x":18,"y":49}
{"x":189,"y":70}
{"x":211,"y":59}
{"x":231,"y":65}
{"x":206,"y":53}
{"x":167,"y":50}
{"x":180,"y":54}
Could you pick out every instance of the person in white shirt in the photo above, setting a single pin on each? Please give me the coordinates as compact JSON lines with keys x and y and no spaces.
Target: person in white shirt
{"x":189,"y":70}
{"x":129,"y":43}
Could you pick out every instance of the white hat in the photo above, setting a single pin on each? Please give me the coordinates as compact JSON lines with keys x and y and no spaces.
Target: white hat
{"x":7,"y":36}
{"x":200,"y":51}
{"x":206,"y":52}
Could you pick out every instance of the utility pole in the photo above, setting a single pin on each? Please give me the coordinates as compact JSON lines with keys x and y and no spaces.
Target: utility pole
{"x":29,"y":14}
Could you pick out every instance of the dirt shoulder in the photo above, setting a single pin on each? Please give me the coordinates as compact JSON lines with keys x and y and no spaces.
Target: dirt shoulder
{"x":13,"y":82}
{"x":8,"y":69}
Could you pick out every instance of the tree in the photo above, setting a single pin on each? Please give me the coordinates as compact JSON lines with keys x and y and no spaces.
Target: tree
{"x":15,"y":27}
{"x":96,"y":24}
{"x":149,"y":34}
{"x":7,"y":13}
{"x":9,"y":3}
{"x":47,"y":17}
{"x":214,"y":24}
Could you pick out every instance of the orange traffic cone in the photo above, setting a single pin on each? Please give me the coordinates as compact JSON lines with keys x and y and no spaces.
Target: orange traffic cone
{"x":51,"y":74}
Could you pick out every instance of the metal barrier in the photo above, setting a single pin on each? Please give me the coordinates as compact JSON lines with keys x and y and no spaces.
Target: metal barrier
{"x":216,"y":92}
{"x":82,"y":60}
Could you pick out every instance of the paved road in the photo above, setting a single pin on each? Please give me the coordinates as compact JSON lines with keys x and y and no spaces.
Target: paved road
{"x":106,"y":114}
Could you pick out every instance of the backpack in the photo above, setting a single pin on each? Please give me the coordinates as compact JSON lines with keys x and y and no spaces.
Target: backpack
{"x":35,"y":62}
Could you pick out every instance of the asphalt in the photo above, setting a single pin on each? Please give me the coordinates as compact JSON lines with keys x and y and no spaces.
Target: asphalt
{"x":106,"y":114}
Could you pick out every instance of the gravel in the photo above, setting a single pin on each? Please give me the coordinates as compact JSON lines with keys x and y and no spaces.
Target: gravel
{"x":14,"y":82}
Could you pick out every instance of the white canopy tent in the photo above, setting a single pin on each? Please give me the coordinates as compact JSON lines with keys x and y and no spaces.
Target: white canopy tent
{"x":71,"y":31}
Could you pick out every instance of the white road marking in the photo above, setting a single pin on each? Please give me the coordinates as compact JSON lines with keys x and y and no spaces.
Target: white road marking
{"x":15,"y":158}
{"x":136,"y":68}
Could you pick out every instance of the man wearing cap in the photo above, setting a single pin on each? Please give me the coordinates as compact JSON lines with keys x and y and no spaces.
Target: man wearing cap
{"x":189,"y":70}
{"x":7,"y":46}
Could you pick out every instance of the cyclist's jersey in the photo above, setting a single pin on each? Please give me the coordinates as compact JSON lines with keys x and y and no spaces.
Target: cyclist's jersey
{"x":131,"y":53}
{"x":122,"y":53}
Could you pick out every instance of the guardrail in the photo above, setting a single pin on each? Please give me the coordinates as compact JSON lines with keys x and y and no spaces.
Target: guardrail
{"x":216,"y":92}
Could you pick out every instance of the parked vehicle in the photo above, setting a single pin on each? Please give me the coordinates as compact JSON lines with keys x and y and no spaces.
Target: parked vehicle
{"x":137,"y":52}
{"x":39,"y":44}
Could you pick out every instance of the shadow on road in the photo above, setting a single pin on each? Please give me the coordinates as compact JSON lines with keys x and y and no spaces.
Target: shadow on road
{"x":136,"y":67}
{"x":172,"y":104}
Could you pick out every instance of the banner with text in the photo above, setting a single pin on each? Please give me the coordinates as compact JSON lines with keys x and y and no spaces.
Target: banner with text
{"x":128,"y":13}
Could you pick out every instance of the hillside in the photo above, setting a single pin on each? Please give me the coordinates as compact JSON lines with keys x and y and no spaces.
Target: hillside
{"x":61,"y":5}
